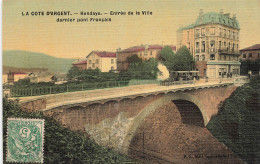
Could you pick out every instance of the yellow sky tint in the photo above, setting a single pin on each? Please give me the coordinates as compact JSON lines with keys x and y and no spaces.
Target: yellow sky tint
{"x":73,"y":40}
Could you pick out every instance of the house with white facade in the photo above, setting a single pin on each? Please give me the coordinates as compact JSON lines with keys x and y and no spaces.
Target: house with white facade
{"x":103,"y":60}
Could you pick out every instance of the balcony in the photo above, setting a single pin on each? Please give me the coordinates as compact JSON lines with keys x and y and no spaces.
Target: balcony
{"x":228,"y":51}
{"x":212,"y":50}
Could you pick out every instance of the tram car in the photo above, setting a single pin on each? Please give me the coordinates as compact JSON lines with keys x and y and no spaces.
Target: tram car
{"x":181,"y":77}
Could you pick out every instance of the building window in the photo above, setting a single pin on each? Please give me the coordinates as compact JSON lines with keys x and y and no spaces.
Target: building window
{"x":112,"y":61}
{"x":220,"y":31}
{"x":151,"y":53}
{"x":96,"y":61}
{"x":197,"y":33}
{"x":212,"y":57}
{"x":112,"y":68}
{"x":93,"y":65}
{"x":197,"y":47}
{"x":197,"y":58}
{"x":89,"y":61}
{"x":219,"y":45}
{"x":212,"y":30}
{"x":250,"y":55}
{"x":225,"y":57}
{"x":203,"y":46}
{"x":203,"y":57}
{"x":189,"y":45}
{"x":203,"y":32}
{"x":234,"y":35}
{"x":212,"y":46}
{"x":225,"y":33}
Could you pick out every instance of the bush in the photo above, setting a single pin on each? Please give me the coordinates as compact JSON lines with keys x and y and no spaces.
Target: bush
{"x":237,"y":124}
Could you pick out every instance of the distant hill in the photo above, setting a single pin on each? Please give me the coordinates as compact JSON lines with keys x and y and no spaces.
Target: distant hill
{"x":7,"y":69}
{"x":27,"y":59}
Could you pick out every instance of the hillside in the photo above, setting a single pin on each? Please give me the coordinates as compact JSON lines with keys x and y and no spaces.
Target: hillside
{"x":26,"y":59}
{"x":7,"y":69}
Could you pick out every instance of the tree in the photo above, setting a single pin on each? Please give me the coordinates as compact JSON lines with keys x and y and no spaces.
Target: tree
{"x":74,"y":72}
{"x":183,"y":60}
{"x":167,"y":57}
{"x":134,"y":59}
{"x":144,"y":70}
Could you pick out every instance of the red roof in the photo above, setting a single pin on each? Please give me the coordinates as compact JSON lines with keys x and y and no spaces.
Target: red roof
{"x":80,"y":62}
{"x":105,"y":54}
{"x":254,"y":47}
{"x":142,"y":48}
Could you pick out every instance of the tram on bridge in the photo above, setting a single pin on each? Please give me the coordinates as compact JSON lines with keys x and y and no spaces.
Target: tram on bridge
{"x":181,"y":77}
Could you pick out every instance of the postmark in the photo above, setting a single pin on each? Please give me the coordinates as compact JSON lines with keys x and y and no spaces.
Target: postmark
{"x":25,"y":140}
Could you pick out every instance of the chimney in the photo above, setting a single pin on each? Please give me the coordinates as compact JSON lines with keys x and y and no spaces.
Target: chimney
{"x":119,"y":49}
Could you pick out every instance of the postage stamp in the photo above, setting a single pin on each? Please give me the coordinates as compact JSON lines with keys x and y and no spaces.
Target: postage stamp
{"x":25,"y":140}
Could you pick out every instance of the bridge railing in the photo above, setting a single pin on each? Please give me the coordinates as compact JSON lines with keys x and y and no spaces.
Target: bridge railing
{"x":46,"y":90}
{"x":36,"y":91}
{"x":165,"y":83}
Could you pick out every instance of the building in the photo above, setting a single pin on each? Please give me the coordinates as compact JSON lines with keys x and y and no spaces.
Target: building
{"x":145,"y":52}
{"x":81,"y":64}
{"x":15,"y":76}
{"x":103,"y":60}
{"x":41,"y":77}
{"x":214,"y":42}
{"x":250,"y":53}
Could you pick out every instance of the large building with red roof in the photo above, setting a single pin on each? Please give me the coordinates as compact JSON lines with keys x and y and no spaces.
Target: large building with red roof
{"x":250,"y":53}
{"x":103,"y":60}
{"x":145,"y":52}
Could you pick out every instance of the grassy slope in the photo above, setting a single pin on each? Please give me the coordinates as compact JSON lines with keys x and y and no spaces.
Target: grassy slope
{"x":237,"y":124}
{"x":26,"y":59}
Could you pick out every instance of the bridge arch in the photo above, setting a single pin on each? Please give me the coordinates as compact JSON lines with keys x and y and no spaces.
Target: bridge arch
{"x":149,"y":109}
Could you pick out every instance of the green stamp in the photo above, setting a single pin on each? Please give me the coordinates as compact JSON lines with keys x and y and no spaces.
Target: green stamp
{"x":25,"y":139}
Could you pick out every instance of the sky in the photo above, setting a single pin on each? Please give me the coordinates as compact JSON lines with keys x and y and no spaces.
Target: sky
{"x":77,"y":39}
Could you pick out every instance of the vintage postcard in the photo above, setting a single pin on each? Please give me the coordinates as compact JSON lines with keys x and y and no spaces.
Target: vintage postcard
{"x":131,"y":81}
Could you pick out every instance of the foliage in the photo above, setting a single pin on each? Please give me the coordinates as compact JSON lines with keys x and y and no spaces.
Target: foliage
{"x":143,"y":70}
{"x":92,"y":76}
{"x":181,"y":61}
{"x":167,"y":57}
{"x":62,"y":145}
{"x":24,"y":83}
{"x":238,"y":122}
{"x":73,"y":72}
{"x":134,"y":59}
{"x":247,"y":65}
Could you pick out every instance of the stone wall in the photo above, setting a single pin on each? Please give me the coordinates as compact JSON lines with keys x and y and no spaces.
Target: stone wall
{"x":34,"y":105}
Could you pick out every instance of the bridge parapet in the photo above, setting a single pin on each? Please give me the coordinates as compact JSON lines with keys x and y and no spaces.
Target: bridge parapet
{"x":116,"y":94}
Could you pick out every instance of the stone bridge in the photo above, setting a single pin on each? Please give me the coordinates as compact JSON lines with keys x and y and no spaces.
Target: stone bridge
{"x":113,"y":117}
